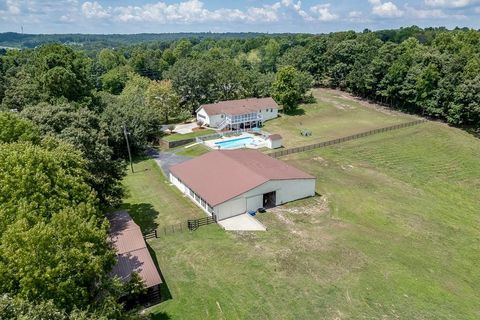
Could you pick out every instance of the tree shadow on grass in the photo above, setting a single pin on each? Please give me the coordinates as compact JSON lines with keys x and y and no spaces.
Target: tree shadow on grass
{"x":295,"y":112}
{"x":160,"y":316}
{"x":164,"y":290}
{"x":143,"y":214}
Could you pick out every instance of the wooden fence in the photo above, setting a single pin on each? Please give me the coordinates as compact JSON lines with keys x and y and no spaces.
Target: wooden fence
{"x":285,"y":152}
{"x":174,"y":228}
{"x":194,"y":224}
{"x":189,"y":225}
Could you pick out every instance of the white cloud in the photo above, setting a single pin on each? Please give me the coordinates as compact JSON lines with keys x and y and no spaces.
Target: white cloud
{"x":189,"y":11}
{"x":322,"y":12}
{"x":425,"y":13}
{"x":13,"y":7}
{"x":192,"y":11}
{"x":94,"y":10}
{"x":449,"y":3}
{"x":386,"y":9}
{"x":357,"y":16}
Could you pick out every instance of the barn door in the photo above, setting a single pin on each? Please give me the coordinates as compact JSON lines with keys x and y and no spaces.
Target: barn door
{"x":269,"y":199}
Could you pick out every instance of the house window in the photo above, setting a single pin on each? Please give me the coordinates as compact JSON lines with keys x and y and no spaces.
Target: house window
{"x":192,"y":193}
{"x":201,"y":116}
{"x":210,"y":209}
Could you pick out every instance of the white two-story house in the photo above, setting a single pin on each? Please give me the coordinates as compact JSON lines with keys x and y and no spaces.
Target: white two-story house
{"x":237,"y":114}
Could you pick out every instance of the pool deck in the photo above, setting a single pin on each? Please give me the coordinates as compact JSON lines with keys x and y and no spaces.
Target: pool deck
{"x":258,"y":142}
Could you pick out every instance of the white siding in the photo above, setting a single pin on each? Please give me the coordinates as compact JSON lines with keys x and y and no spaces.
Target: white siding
{"x":230,"y":208}
{"x":203,"y":116}
{"x":211,"y":120}
{"x":186,"y":191}
{"x":177,"y":183}
{"x":274,"y":144}
{"x":286,"y":191}
{"x":216,"y":119}
{"x":269,"y":113}
{"x":254,"y":202}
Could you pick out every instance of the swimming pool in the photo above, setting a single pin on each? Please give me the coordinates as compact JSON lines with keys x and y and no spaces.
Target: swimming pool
{"x":234,"y":143}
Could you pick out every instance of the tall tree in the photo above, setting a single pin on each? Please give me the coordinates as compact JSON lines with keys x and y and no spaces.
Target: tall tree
{"x":162,"y":97}
{"x":286,"y":88}
{"x":85,"y":130}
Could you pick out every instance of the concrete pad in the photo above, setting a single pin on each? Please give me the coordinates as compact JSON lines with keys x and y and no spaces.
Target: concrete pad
{"x":243,"y":222}
{"x":185,"y":127}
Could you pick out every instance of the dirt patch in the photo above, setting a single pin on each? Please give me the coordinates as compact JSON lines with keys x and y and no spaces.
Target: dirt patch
{"x":318,"y":206}
{"x":198,"y":129}
{"x":347,"y":167}
{"x":337,"y":104}
{"x":361,"y":101}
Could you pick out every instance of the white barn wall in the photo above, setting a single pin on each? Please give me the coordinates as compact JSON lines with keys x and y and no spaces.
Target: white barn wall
{"x":186,"y":191}
{"x":286,"y":191}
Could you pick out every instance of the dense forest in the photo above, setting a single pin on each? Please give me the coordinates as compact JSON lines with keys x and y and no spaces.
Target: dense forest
{"x":66,"y":107}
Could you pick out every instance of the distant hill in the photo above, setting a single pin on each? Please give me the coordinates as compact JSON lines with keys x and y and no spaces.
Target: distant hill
{"x":18,"y":40}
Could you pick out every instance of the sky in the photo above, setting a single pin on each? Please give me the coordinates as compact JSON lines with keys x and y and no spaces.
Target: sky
{"x":311,"y":16}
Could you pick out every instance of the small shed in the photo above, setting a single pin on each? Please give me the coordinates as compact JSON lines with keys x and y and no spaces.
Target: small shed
{"x":132,"y":254}
{"x":274,"y":141}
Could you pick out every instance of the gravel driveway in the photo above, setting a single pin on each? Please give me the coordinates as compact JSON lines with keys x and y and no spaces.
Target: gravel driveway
{"x":166,"y":159}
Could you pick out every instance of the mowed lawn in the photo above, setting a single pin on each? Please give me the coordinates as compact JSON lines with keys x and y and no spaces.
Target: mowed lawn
{"x":393,"y":234}
{"x":335,"y":114}
{"x":150,"y":199}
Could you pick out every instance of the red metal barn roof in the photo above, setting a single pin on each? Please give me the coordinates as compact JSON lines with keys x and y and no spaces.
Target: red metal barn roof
{"x":240,"y":106}
{"x":132,"y":252}
{"x":221,"y":175}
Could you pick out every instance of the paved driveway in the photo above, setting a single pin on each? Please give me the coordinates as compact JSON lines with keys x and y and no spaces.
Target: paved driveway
{"x":185,"y":127}
{"x":166,"y":159}
{"x":243,"y":222}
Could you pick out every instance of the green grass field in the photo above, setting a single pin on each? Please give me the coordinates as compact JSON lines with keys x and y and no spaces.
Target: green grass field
{"x":193,"y":151}
{"x":393,"y":234}
{"x":334,"y":115}
{"x":150,"y":199}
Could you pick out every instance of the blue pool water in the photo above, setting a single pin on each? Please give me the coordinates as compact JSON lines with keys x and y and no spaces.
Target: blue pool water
{"x":234,"y":143}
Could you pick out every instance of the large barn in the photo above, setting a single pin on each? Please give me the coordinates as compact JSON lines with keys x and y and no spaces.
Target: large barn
{"x":226,"y":183}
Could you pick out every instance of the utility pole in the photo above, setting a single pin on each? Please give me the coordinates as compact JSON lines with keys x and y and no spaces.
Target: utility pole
{"x":125,"y":133}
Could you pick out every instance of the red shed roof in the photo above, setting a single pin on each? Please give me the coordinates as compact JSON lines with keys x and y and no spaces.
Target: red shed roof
{"x":240,"y":106}
{"x":132,"y":252}
{"x":275,"y":136}
{"x":221,"y":175}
